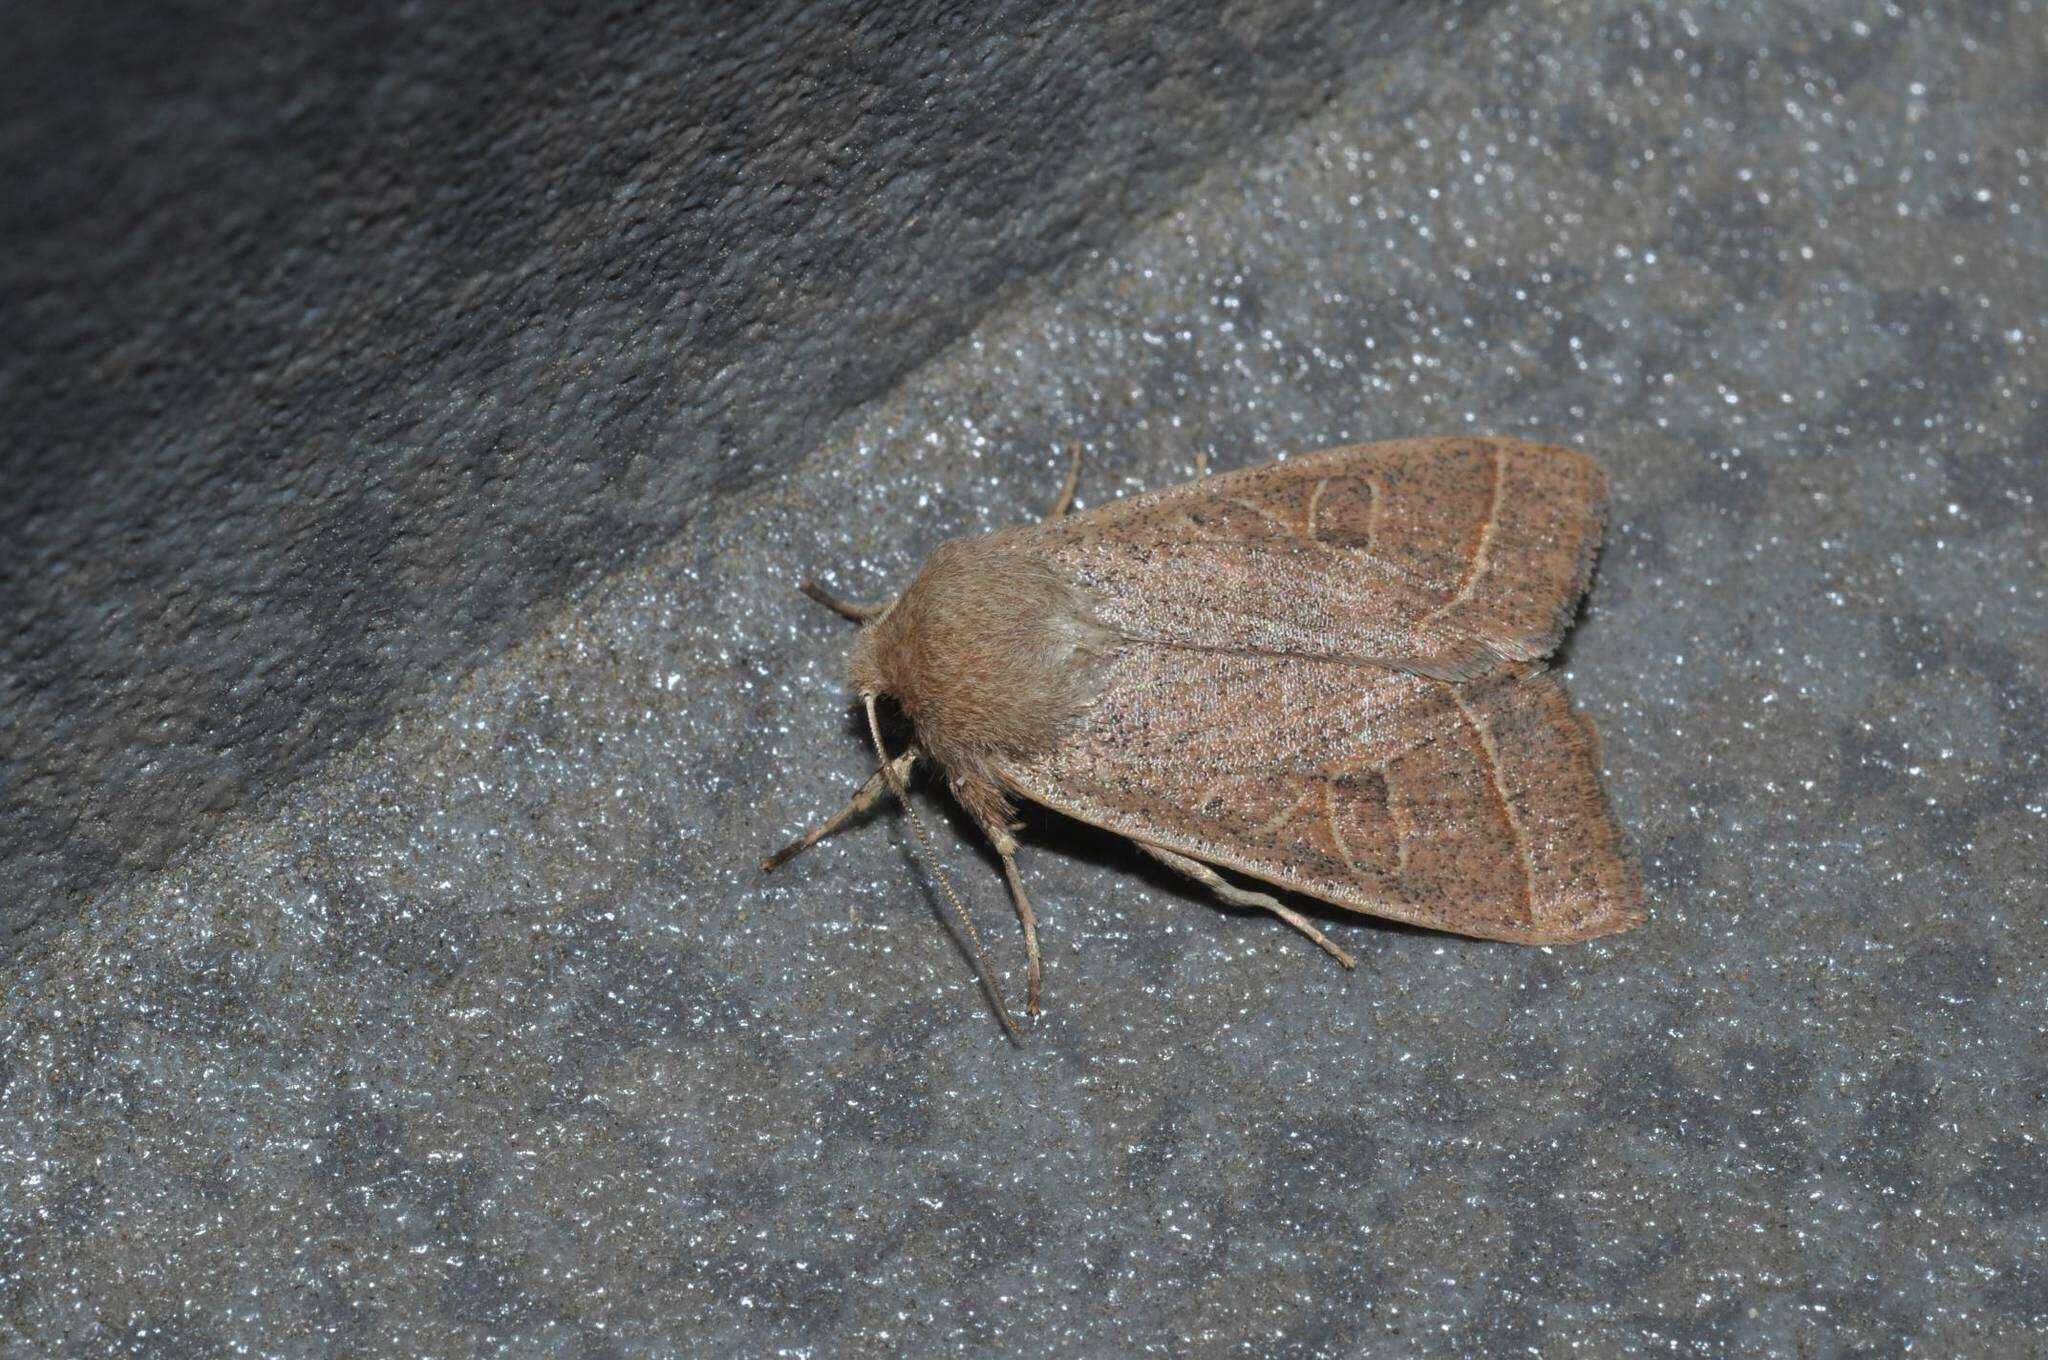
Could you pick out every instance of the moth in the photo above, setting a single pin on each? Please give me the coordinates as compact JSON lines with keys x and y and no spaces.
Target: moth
{"x":1323,"y":674}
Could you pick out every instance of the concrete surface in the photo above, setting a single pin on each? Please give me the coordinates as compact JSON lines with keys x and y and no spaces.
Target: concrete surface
{"x":487,"y":1037}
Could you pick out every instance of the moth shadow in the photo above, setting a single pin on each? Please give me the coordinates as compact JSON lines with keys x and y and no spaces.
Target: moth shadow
{"x":1559,"y":657}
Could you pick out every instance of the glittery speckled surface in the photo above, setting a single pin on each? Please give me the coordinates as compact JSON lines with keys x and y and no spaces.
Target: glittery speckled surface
{"x":494,"y":1040}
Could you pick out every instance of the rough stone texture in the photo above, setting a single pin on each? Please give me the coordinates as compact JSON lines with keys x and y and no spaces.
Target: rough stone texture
{"x":492,"y":1039}
{"x":335,"y":339}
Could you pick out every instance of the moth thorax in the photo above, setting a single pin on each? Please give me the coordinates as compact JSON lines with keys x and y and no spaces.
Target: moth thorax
{"x":991,"y":652}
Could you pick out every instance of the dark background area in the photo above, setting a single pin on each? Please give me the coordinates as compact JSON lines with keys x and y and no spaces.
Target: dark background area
{"x":416,"y":422}
{"x":335,"y":339}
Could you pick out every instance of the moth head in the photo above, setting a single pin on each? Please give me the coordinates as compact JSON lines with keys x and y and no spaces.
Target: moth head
{"x":991,"y":653}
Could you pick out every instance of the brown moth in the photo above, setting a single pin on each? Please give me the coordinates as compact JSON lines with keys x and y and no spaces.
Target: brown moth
{"x":1322,"y":673}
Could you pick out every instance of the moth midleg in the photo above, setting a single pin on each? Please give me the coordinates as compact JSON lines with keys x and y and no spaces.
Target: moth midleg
{"x":1072,"y":484}
{"x":1030,"y":922}
{"x":859,"y":613}
{"x":1244,"y":897}
{"x":865,"y":797}
{"x":1006,"y":849}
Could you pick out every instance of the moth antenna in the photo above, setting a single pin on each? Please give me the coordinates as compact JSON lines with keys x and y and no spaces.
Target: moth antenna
{"x":1070,"y":486}
{"x":845,"y":609}
{"x":931,"y":860}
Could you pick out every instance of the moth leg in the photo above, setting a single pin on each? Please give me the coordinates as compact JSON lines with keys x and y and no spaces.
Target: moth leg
{"x":1242,"y":897}
{"x":1006,"y":847}
{"x":991,"y":812}
{"x":859,"y":613}
{"x":1073,"y":483}
{"x":865,"y":797}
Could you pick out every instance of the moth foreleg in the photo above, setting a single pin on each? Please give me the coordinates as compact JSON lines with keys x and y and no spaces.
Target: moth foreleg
{"x":859,"y":613}
{"x":864,"y":798}
{"x":1073,"y":483}
{"x":1244,"y":897}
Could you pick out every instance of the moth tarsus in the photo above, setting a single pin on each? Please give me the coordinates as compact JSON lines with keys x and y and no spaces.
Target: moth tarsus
{"x":1322,"y":673}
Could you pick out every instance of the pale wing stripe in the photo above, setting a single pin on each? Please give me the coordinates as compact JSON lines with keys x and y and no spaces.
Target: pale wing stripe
{"x":1315,"y":500}
{"x":1507,"y":806}
{"x":1292,"y":810}
{"x":1481,"y":553}
{"x":1402,"y":827}
{"x":1336,"y":832}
